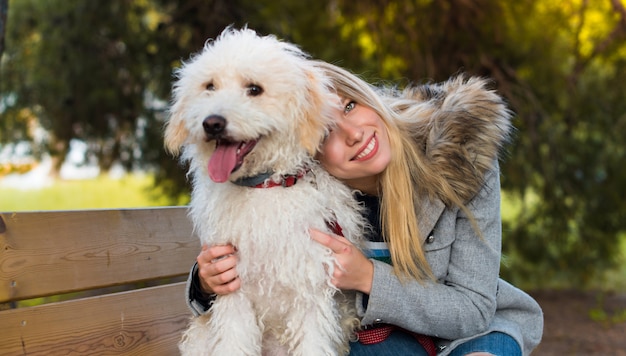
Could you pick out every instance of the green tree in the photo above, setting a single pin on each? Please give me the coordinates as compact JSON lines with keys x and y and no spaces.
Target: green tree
{"x":568,"y":156}
{"x":73,"y":73}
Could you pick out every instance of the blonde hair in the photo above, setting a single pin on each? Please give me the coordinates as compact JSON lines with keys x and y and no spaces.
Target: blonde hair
{"x":399,"y":185}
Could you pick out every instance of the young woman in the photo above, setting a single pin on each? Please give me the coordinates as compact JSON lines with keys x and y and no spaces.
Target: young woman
{"x":424,"y":161}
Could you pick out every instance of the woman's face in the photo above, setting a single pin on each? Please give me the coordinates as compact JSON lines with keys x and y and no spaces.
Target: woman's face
{"x":357,"y":149}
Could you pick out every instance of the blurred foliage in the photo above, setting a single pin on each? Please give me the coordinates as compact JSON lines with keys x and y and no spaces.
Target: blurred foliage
{"x":101,"y":71}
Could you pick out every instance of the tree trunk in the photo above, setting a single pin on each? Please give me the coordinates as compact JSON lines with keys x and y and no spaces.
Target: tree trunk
{"x":4,"y":9}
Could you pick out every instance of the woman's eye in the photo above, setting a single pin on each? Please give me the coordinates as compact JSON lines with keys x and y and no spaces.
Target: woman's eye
{"x":351,"y":105}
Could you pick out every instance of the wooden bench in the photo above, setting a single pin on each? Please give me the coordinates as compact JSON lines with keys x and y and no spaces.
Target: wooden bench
{"x":120,"y":276}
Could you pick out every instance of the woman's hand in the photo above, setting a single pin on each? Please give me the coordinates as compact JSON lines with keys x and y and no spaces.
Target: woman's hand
{"x":353,"y":271}
{"x":217,"y":270}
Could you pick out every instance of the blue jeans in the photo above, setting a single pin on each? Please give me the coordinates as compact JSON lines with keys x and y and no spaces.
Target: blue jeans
{"x":397,"y":344}
{"x":402,"y":344}
{"x":496,"y":343}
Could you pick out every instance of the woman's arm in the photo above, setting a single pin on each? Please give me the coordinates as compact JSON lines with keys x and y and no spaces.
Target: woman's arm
{"x":462,"y":301}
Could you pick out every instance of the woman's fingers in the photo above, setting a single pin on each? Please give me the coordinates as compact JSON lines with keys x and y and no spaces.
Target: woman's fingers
{"x":210,"y":254}
{"x":337,"y":244}
{"x":217,"y":270}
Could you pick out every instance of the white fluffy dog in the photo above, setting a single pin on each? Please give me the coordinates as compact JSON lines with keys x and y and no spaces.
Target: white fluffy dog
{"x":252,"y":111}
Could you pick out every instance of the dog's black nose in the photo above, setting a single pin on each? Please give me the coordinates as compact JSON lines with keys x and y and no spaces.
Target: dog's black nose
{"x":214,"y":125}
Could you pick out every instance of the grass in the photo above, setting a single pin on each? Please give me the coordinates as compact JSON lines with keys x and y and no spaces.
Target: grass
{"x":131,"y":191}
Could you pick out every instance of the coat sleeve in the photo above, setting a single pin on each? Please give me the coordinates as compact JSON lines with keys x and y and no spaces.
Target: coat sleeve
{"x":462,"y":301}
{"x":198,"y":302}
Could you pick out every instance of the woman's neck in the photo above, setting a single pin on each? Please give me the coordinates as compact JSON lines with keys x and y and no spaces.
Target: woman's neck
{"x":367,"y":185}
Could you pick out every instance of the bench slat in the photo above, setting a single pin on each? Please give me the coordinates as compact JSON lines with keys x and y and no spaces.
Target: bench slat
{"x":140,"y":322}
{"x":46,"y":253}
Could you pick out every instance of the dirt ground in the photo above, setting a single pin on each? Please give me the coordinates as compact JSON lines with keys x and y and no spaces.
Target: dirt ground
{"x":582,"y":323}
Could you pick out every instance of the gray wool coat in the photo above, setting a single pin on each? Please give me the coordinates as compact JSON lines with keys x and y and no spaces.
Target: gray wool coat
{"x":468,"y":298}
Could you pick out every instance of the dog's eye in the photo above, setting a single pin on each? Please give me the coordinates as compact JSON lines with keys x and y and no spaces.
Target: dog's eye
{"x":210,"y":87}
{"x":254,"y":90}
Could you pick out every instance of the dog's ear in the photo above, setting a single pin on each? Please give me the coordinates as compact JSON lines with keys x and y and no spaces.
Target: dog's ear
{"x":175,"y":131}
{"x":316,"y":119}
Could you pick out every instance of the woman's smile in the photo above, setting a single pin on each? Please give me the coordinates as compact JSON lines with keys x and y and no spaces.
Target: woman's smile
{"x":367,"y":151}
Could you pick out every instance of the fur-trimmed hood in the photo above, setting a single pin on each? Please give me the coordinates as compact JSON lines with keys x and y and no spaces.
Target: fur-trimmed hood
{"x":460,"y":127}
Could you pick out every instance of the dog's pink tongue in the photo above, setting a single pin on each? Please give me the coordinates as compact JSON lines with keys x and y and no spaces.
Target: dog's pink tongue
{"x":223,"y":161}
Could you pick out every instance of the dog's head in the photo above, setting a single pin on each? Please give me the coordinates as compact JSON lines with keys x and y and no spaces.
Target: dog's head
{"x":248,"y":104}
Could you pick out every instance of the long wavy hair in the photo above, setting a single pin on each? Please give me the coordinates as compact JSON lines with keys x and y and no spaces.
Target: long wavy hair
{"x":400,"y":184}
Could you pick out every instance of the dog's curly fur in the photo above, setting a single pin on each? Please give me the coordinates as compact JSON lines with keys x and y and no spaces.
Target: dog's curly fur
{"x":265,"y":91}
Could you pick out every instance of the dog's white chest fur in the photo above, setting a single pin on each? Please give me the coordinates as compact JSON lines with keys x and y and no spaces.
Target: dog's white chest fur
{"x":286,"y":302}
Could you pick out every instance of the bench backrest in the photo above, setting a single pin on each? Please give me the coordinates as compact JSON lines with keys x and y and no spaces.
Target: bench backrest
{"x":119,"y":273}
